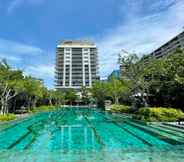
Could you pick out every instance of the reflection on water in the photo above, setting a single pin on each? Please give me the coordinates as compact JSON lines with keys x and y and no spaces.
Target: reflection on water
{"x":80,"y":117}
{"x":77,"y":135}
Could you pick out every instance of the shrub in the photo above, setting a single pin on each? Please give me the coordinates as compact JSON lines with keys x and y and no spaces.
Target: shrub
{"x":120,"y":108}
{"x":159,"y":114}
{"x":7,"y":117}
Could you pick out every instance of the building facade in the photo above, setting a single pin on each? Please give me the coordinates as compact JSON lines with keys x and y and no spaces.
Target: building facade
{"x":123,"y":72}
{"x":76,"y":64}
{"x":115,"y":74}
{"x":170,"y":46}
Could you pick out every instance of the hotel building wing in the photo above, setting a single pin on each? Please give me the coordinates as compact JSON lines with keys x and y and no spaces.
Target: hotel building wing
{"x":76,"y":64}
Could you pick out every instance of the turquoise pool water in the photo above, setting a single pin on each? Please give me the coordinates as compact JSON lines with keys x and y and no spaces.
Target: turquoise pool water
{"x":86,"y":135}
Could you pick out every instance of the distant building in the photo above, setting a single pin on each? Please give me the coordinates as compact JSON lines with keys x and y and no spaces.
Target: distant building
{"x":76,"y":64}
{"x":170,"y":46}
{"x":123,"y":71}
{"x":115,"y":74}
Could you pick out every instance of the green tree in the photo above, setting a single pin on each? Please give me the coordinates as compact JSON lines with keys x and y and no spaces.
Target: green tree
{"x":162,"y":79}
{"x":59,"y":97}
{"x":116,"y":88}
{"x":128,"y":61}
{"x":85,"y":95}
{"x":99,"y":92}
{"x":51,"y":96}
{"x":133,"y":71}
{"x":33,"y":89}
{"x":71,"y":96}
{"x":10,"y":85}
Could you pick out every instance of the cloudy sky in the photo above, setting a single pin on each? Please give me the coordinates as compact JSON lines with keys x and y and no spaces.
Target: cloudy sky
{"x":31,"y":29}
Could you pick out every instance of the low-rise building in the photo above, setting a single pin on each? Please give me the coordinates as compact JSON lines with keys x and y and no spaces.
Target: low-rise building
{"x":170,"y":46}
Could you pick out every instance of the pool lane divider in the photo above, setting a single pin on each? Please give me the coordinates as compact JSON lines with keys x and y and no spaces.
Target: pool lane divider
{"x":133,"y":134}
{"x":30,"y":130}
{"x":19,"y":121}
{"x":98,"y":138}
{"x":56,"y":116}
{"x":57,"y":124}
{"x":125,"y":129}
{"x":24,"y":136}
{"x":35,"y":133}
{"x":162,"y":137}
{"x":19,"y":140}
{"x":12,"y":125}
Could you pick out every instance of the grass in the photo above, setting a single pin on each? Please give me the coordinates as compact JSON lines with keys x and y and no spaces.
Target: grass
{"x":7,"y":117}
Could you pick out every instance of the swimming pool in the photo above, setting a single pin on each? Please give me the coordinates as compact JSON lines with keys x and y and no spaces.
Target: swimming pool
{"x":81,"y":134}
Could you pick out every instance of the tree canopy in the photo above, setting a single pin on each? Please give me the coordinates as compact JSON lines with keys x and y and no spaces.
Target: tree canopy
{"x":162,"y":79}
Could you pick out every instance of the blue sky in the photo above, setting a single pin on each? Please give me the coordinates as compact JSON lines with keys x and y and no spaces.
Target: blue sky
{"x":31,"y":29}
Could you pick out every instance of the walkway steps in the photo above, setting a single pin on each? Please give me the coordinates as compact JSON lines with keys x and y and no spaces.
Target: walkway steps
{"x":168,"y":130}
{"x":147,"y":138}
{"x":152,"y":140}
{"x":159,"y":134}
{"x":170,"y":127}
{"x":114,"y":137}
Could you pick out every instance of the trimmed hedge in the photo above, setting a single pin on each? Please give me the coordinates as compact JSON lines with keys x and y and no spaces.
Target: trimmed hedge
{"x":120,"y":108}
{"x":7,"y":117}
{"x":152,"y":114}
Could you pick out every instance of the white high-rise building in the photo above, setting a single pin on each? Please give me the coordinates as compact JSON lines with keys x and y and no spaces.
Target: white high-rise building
{"x":76,"y":64}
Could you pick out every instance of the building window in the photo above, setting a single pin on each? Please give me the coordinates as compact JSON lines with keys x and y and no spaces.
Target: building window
{"x":67,"y":49}
{"x":86,"y":49}
{"x":67,"y":54}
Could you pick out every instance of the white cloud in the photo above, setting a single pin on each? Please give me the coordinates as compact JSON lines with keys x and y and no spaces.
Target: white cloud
{"x":41,"y":71}
{"x":140,"y":34}
{"x":7,"y":46}
{"x":10,"y":58}
{"x":31,"y":59}
{"x":15,"y":4}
